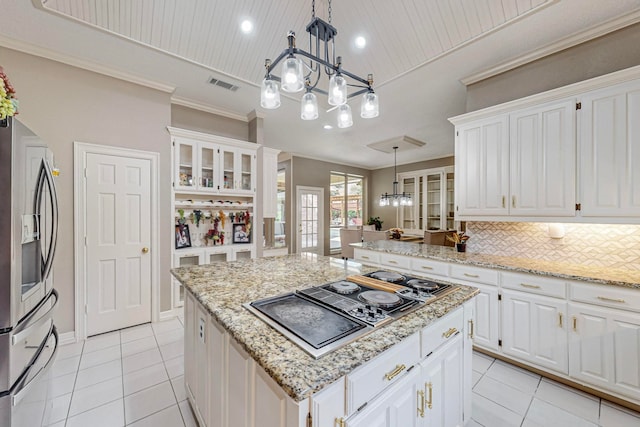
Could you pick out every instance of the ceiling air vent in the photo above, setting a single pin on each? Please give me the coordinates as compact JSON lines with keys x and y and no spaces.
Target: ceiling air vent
{"x":223,"y":84}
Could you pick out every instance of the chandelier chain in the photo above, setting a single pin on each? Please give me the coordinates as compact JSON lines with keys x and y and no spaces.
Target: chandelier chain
{"x":313,"y":9}
{"x":329,"y":11}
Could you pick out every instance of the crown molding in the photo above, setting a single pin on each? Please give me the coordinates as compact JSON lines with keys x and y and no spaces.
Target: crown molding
{"x":82,"y":64}
{"x":184,"y":102}
{"x":209,"y":137}
{"x":557,"y":46}
{"x":255,"y":114}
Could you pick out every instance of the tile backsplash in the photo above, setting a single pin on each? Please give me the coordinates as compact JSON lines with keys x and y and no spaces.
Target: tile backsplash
{"x":601,"y":245}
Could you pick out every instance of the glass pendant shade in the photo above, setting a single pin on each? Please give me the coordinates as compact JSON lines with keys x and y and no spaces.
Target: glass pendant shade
{"x":396,"y":203}
{"x":345,"y":119}
{"x":337,"y":90}
{"x":309,"y":107}
{"x":369,"y":107}
{"x":269,"y":95}
{"x":292,"y":75}
{"x":384,"y":200}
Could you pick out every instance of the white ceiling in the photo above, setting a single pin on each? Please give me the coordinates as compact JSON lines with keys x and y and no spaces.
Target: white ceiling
{"x":417,"y":50}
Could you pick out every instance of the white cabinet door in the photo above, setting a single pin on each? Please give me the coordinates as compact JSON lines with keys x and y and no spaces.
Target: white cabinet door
{"x":482,"y":167}
{"x":534,"y":329}
{"x":208,"y":164}
{"x":397,"y":408}
{"x":442,"y":376}
{"x":542,"y":151}
{"x":215,"y":365}
{"x":238,"y":171}
{"x":487,"y":318}
{"x":610,"y":159}
{"x":605,"y":348}
{"x":201,"y":378}
{"x":190,"y":369}
{"x":185,"y":155}
{"x":328,"y":405}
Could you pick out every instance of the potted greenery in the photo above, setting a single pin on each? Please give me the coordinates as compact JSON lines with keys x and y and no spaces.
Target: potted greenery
{"x":375,"y":221}
{"x":460,"y":239}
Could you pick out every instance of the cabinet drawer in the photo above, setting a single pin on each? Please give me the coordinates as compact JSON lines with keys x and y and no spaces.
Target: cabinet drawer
{"x":474,"y":274}
{"x":421,"y":266}
{"x":440,"y":332}
{"x":605,"y":295}
{"x":370,"y":379}
{"x":535,"y":284}
{"x":395,"y":261}
{"x":366,"y":257}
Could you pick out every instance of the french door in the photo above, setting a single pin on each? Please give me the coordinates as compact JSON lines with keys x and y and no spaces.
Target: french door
{"x":309,"y":219}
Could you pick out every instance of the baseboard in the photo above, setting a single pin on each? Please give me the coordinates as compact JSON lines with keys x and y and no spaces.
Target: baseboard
{"x":67,"y":338}
{"x":171,"y":314}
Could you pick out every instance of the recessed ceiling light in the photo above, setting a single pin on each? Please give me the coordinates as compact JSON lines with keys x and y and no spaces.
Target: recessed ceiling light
{"x":361,"y":42}
{"x":246,"y":26}
{"x":328,"y":127}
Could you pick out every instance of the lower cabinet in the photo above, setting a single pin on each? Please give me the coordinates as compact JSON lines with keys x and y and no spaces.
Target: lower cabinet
{"x":487,"y":317}
{"x":604,"y":348}
{"x":534,"y":329}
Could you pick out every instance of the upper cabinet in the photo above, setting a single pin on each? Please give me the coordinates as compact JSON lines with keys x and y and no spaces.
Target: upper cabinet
{"x":212,"y":164}
{"x":564,"y":155}
{"x":610,"y":151}
{"x":432,"y":194}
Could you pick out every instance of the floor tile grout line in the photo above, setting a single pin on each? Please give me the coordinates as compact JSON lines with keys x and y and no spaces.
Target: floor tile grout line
{"x":73,"y":390}
{"x":170,"y":382}
{"x":147,"y":416}
{"x":91,"y":409}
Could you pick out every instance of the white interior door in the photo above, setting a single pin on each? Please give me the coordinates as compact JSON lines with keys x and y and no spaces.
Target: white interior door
{"x":118,"y":238}
{"x":310,"y":236}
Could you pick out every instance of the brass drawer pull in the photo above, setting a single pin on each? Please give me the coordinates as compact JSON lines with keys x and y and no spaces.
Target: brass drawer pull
{"x":449,"y":332}
{"x":364,"y":257}
{"x":471,"y":275}
{"x":560,"y":320}
{"x":471,"y":328}
{"x":430,"y":394}
{"x":339,"y":422}
{"x":513,"y":201}
{"x":503,"y":202}
{"x":610,"y":299}
{"x":393,"y":262}
{"x":526,"y":285}
{"x":391,"y":375}
{"x":575,"y":324}
{"x":421,"y":403}
{"x":424,"y":267}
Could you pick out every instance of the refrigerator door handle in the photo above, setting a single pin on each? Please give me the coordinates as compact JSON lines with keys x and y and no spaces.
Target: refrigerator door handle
{"x":45,"y":176}
{"x":29,"y":323}
{"x":24,"y":388}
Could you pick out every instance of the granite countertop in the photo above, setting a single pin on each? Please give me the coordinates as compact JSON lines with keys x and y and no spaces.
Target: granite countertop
{"x":223,"y":287}
{"x":597,"y":275}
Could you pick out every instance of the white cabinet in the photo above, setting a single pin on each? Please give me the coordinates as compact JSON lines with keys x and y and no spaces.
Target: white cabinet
{"x":534,"y":329}
{"x":196,"y":357}
{"x":486,"y":331}
{"x":196,"y":165}
{"x":482,"y":167}
{"x":609,"y":155}
{"x":238,"y":174}
{"x":542,"y":152}
{"x":269,"y":182}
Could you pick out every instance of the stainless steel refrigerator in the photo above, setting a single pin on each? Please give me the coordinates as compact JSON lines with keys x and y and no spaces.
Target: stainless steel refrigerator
{"x":28,"y":232}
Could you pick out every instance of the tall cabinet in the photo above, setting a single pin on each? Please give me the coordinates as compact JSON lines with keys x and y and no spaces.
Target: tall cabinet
{"x":214,"y":197}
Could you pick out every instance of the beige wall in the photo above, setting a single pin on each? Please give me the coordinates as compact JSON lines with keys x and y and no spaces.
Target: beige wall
{"x":382,"y":182}
{"x":201,"y":121}
{"x":612,"y":52}
{"x":316,"y":173}
{"x":63,"y":104}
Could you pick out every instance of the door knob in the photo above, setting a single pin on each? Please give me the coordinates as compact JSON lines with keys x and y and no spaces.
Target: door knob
{"x":145,"y":250}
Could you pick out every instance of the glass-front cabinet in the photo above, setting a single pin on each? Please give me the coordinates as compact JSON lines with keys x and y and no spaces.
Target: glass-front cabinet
{"x":238,"y":170}
{"x":196,"y":165}
{"x":432,"y":193}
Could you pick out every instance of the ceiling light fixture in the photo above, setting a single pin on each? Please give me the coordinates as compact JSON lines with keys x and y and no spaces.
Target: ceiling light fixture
{"x":361,"y":42}
{"x":246,"y":26}
{"x":321,"y":55}
{"x":395,"y":199}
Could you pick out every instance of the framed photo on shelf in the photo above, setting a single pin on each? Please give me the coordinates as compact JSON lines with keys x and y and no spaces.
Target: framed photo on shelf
{"x":183,"y":238}
{"x":240,"y":233}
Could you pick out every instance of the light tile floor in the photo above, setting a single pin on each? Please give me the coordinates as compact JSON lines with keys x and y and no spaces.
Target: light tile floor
{"x":135,"y":377}
{"x":132,"y":377}
{"x":507,"y":396}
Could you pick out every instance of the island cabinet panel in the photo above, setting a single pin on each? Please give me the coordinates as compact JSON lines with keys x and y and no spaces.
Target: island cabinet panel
{"x":189,"y":340}
{"x":216,"y":373}
{"x":534,"y":329}
{"x":329,"y":405}
{"x":373,"y":377}
{"x":240,"y":372}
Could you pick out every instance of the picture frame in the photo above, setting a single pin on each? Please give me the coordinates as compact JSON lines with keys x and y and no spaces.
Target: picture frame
{"x":183,"y":238}
{"x":240,"y":233}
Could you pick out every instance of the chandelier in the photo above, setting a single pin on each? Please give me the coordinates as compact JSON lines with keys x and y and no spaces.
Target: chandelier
{"x":321,"y":58}
{"x":395,"y":199}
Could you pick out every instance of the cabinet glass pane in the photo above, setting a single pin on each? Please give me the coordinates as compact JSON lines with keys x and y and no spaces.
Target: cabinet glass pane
{"x":433,"y":202}
{"x":228,"y":176}
{"x":189,"y":260}
{"x":186,"y":165}
{"x":450,"y":202}
{"x":409,"y":221}
{"x":246,"y":171}
{"x":206,"y":167}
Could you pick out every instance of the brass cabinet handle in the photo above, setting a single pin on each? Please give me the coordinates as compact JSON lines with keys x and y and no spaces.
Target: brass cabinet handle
{"x":145,"y":250}
{"x":471,"y":328}
{"x":503,"y":201}
{"x":427,"y":267}
{"x":364,"y":257}
{"x":449,"y":332}
{"x":560,"y":320}
{"x":391,"y":375}
{"x":575,"y":324}
{"x":471,"y":275}
{"x":430,"y":394}
{"x":513,"y":201}
{"x":339,"y":422}
{"x":421,"y":403}
{"x":393,"y":262}
{"x":611,"y":299}
{"x":526,"y":285}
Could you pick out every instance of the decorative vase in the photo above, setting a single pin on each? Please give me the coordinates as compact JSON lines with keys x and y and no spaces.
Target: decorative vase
{"x":395,"y":236}
{"x":4,"y":122}
{"x":461,"y":247}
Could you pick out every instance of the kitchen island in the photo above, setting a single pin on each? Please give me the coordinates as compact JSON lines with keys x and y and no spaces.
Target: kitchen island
{"x":240,"y":371}
{"x":574,"y":323}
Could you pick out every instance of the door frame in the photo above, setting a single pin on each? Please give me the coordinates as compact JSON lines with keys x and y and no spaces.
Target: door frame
{"x":300,"y":189}
{"x":80,"y":152}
